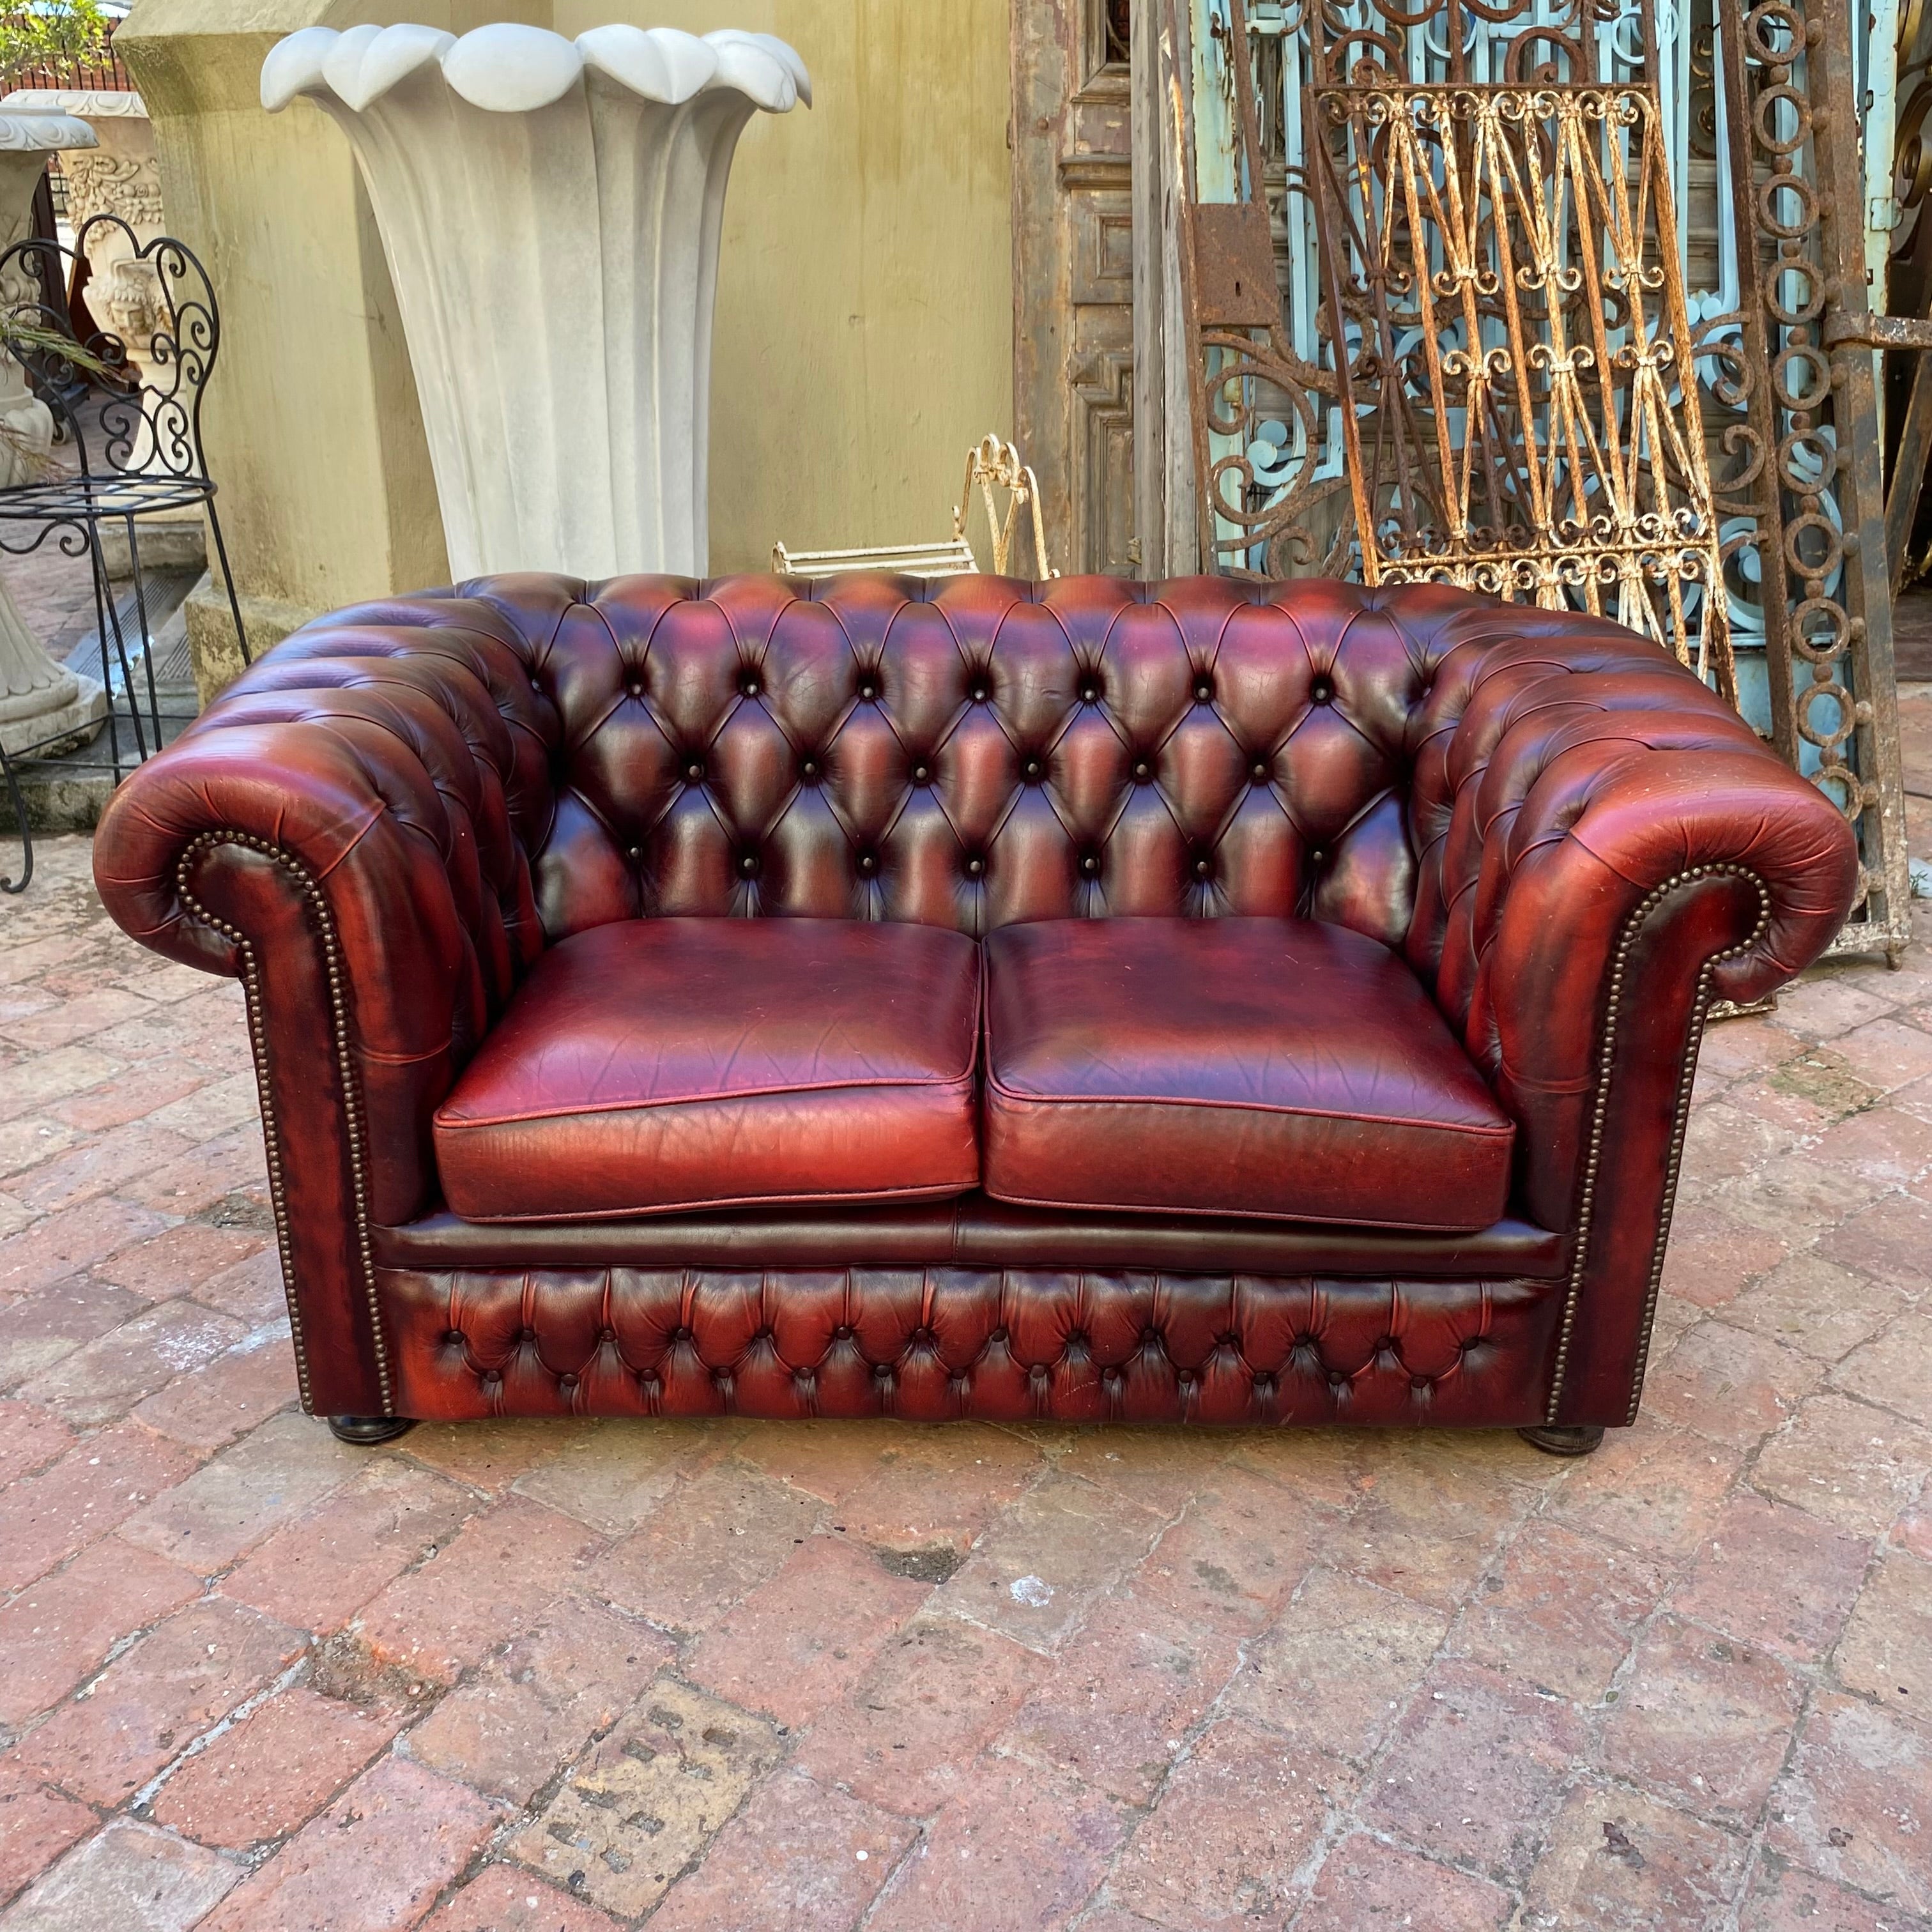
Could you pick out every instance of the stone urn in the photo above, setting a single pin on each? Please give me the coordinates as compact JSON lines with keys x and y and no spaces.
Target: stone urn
{"x":40,"y":700}
{"x":550,"y":210}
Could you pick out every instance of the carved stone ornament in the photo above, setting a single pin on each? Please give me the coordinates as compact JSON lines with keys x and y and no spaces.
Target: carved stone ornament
{"x":40,"y":700}
{"x":550,"y":210}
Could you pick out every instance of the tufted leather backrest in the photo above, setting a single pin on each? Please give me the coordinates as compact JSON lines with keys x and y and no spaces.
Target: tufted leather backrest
{"x":966,"y":753}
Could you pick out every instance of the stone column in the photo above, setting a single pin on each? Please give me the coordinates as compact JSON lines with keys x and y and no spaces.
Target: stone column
{"x":550,"y":211}
{"x":39,"y":699}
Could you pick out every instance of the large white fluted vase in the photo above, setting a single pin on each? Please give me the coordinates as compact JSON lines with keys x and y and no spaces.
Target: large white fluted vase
{"x":550,"y":210}
{"x":41,"y":703}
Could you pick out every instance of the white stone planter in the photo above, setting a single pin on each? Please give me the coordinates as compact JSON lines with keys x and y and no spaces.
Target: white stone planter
{"x":39,"y":699}
{"x":550,"y":210}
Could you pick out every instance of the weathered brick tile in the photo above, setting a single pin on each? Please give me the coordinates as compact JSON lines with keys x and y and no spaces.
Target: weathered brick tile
{"x":133,"y":1093}
{"x":1854,"y":1804}
{"x":59,"y":1022}
{"x":25,"y":1143}
{"x":1724,"y":1382}
{"x":264,"y":1778}
{"x":1656,"y":1487}
{"x":932,"y":1488}
{"x":116,"y":1160}
{"x":44,"y":1325}
{"x":320,"y":1569}
{"x":1237,"y":1818}
{"x":212,"y":1109}
{"x":798,"y":1857}
{"x":1748,"y":1045}
{"x":489,"y":1580}
{"x":1021,"y":1850}
{"x":802,"y":1640}
{"x":507,"y":1898}
{"x":36,"y":1825}
{"x":1713,"y":1257}
{"x":31,"y":1437}
{"x":74,"y":1239}
{"x":1913,"y":1532}
{"x":1888,"y":1240}
{"x":1618,"y":1861}
{"x":36,"y":1080}
{"x":234,"y":1500}
{"x":1364,"y":1886}
{"x":1476,"y":1769}
{"x":1886,"y":1053}
{"x":374,"y":1861}
{"x":1775,"y":1576}
{"x":1852,"y":1465}
{"x":56,"y":1631}
{"x":906,"y":1736}
{"x":1827,"y":1001}
{"x":510,"y":1730}
{"x":209,"y":1407}
{"x":617,"y":1473}
{"x":107,"y":1377}
{"x":156,"y":1698}
{"x":1724,"y":1141}
{"x":1703,"y":1721}
{"x":99,"y":1483}
{"x":1784,"y":1899}
{"x":831,"y":1460}
{"x":1237,"y":1551}
{"x":1428,"y":1521}
{"x":1123,"y":1696}
{"x":1894,"y":1368}
{"x":1343,"y":1658}
{"x":1160,"y":1469}
{"x":1036,"y":1572}
{"x":201,"y":1175}
{"x":130,"y":1878}
{"x":489,"y":1455}
{"x":715,"y":1540}
{"x":1887,"y":1650}
{"x":1563,"y":1612}
{"x":648,"y":1799}
{"x":180,"y":1258}
{"x":1882,"y":1143}
{"x":1813,"y":1305}
{"x":251,"y":1291}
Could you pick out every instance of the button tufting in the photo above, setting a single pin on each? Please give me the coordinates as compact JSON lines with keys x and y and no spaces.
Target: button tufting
{"x":882,"y":1372}
{"x":998,"y":1335}
{"x":1264,"y":1385}
{"x":1143,"y":771}
{"x":567,"y":1384}
{"x":606,"y":1334}
{"x":1258,"y":770}
{"x":1031,"y":768}
{"x":920,"y":773}
{"x":694,"y":770}
{"x":1203,"y":689}
{"x":749,"y":685}
{"x":975,"y":866}
{"x":1336,"y":1379}
{"x":1418,"y":1381}
{"x":1321,"y":691}
{"x":841,"y":1333}
{"x":868,"y":864}
{"x":1090,"y":864}
{"x":491,"y":1379}
{"x":1318,"y":856}
{"x":1202,"y":867}
{"x":635,"y":688}
{"x":1089,"y":692}
{"x":869,"y":691}
{"x":809,"y":768}
{"x":455,"y":1338}
{"x":979,"y":690}
{"x":635,"y":854}
{"x":748,"y":864}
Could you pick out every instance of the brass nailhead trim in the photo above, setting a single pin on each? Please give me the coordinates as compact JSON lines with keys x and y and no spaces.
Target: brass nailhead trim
{"x":351,"y":1087}
{"x":1686,"y":1078}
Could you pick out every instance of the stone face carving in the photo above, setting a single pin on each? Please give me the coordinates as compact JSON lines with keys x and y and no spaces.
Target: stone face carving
{"x":39,"y":700}
{"x":550,"y":210}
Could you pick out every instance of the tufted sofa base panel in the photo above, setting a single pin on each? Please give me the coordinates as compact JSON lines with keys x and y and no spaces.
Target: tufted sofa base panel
{"x":950,"y":1344}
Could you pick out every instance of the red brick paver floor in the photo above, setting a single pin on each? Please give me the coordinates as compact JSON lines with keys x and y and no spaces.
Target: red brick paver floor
{"x":544,"y":1678}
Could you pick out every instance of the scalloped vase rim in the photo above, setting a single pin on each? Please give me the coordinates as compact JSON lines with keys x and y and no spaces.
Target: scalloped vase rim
{"x":43,"y":131}
{"x":105,"y":103}
{"x":508,"y":68}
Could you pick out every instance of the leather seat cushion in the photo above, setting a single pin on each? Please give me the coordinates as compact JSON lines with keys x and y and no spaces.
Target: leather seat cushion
{"x":1285,"y":1068}
{"x":659,"y":1064}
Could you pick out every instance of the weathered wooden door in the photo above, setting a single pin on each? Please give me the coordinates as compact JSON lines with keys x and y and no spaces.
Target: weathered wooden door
{"x":1073,"y":320}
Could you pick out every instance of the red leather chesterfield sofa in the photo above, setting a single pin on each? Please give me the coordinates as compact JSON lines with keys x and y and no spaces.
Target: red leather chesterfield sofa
{"x":1199,"y":1002}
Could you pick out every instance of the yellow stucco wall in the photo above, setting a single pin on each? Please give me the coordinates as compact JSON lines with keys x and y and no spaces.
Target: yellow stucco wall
{"x":863,"y":336}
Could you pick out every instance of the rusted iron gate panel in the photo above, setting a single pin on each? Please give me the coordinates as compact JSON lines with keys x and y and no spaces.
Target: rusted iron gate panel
{"x":1779,"y":306}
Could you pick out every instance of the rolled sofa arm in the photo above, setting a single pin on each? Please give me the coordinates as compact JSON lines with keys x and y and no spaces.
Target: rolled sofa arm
{"x":1609,"y":850}
{"x":346,"y":831}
